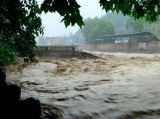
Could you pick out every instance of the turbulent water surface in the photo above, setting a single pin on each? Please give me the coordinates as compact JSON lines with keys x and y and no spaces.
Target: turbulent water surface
{"x":120,"y":86}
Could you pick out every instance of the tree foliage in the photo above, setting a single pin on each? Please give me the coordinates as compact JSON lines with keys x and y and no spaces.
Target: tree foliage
{"x":147,"y":9}
{"x":20,"y":23}
{"x":20,"y":20}
{"x":136,"y":25}
{"x":133,"y":26}
{"x":69,"y":9}
{"x":96,"y":27}
{"x":7,"y":56}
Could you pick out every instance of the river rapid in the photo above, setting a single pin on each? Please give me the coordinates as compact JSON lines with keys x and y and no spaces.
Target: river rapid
{"x":119,"y":86}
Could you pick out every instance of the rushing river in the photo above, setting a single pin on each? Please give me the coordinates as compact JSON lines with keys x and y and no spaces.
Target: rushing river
{"x":116,"y":87}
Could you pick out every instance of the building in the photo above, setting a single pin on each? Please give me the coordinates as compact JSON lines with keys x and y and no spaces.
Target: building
{"x":137,"y":42}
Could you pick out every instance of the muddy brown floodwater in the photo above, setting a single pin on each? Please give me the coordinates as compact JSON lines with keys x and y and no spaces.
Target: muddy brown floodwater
{"x":120,"y":86}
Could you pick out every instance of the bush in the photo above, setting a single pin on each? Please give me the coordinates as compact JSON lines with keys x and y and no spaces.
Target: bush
{"x":7,"y":56}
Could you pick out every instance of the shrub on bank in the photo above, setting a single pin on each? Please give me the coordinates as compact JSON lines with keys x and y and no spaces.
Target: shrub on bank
{"x":7,"y":56}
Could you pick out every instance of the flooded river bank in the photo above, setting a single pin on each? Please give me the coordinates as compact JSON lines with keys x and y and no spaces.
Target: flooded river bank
{"x":119,"y":86}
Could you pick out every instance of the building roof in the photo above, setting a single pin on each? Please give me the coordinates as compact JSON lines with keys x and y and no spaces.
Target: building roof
{"x":143,"y":36}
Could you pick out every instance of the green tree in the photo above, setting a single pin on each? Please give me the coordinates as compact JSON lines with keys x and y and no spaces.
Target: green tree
{"x":96,"y":27}
{"x":136,"y":25}
{"x":154,"y":27}
{"x":20,"y":20}
{"x":7,"y":56}
{"x":142,"y":26}
{"x":69,"y":9}
{"x":147,"y":9}
{"x":20,"y":23}
{"x":118,"y":21}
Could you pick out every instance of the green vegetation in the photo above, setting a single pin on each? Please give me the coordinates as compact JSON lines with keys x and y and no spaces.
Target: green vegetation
{"x":20,"y":20}
{"x":118,"y":21}
{"x":95,"y":28}
{"x":147,"y":9}
{"x":7,"y":56}
{"x":20,"y":23}
{"x":133,"y":26}
{"x":120,"y":25}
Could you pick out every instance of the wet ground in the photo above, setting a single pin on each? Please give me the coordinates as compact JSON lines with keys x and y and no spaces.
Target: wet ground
{"x":120,"y":86}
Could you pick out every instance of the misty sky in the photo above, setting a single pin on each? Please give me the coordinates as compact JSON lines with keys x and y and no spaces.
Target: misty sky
{"x":52,"y":21}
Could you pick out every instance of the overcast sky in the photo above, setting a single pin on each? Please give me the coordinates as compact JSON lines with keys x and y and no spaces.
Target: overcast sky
{"x":52,"y":21}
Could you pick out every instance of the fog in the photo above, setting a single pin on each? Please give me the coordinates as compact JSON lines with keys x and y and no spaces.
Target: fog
{"x":52,"y":21}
